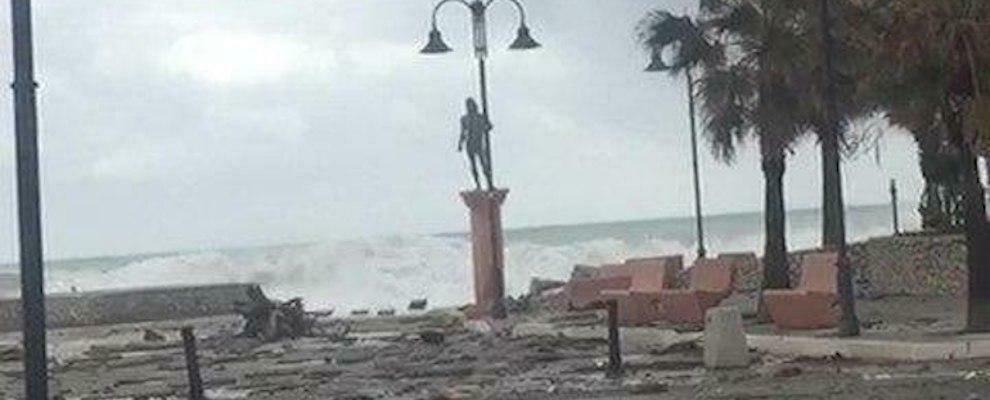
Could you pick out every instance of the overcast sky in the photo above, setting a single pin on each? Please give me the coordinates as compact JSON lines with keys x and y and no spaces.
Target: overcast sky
{"x":195,"y":124}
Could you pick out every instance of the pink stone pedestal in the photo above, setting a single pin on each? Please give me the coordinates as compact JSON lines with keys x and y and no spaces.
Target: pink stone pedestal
{"x":487,"y":251}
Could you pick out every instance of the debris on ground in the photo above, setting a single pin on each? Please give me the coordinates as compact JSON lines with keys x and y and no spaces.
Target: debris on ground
{"x":418,"y":304}
{"x":151,"y":336}
{"x":271,"y":320}
{"x":432,"y":337}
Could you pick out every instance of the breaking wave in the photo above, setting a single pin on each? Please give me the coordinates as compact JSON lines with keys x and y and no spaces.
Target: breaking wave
{"x":388,"y":272}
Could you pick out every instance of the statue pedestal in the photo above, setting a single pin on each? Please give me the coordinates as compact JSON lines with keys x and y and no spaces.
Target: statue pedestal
{"x":487,"y":251}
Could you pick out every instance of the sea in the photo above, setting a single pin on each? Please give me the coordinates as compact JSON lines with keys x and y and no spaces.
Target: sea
{"x":387,"y":272}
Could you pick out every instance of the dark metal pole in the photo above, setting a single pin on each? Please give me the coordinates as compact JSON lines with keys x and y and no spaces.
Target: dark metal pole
{"x":614,"y":347}
{"x":483,"y":78}
{"x":702,"y":252}
{"x":28,"y":204}
{"x":893,"y":205}
{"x":192,"y":364}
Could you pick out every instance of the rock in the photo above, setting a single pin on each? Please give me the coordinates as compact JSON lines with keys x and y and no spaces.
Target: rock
{"x":360,"y":312}
{"x":432,"y":337}
{"x":352,"y":355}
{"x":418,"y":304}
{"x":583,"y":271}
{"x":13,"y":353}
{"x":554,"y":300}
{"x":460,"y":392}
{"x":479,"y":326}
{"x":537,"y":286}
{"x":152,"y":336}
{"x":388,"y":312}
{"x":787,"y":372}
{"x":725,"y":343}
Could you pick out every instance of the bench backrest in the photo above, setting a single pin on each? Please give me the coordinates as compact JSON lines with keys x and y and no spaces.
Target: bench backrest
{"x":819,"y":272}
{"x":648,"y":274}
{"x":746,"y":270}
{"x":711,"y":275}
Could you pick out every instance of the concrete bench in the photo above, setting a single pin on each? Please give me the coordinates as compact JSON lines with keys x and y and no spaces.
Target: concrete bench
{"x":813,"y":304}
{"x":640,"y":275}
{"x":747,"y":273}
{"x":651,"y":276}
{"x":711,"y":281}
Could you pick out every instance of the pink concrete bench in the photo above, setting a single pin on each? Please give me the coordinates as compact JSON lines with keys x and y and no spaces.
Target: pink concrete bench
{"x":746,"y":270}
{"x":651,"y":276}
{"x":711,"y":281}
{"x":813,"y":304}
{"x":584,"y":293}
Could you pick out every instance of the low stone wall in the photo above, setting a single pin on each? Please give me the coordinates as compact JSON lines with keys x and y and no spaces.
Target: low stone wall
{"x":911,"y":265}
{"x":917,"y":265}
{"x":133,"y":305}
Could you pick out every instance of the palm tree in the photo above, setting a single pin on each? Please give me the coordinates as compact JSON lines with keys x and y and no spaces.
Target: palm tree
{"x":658,"y":32}
{"x":756,"y":93}
{"x":939,"y":52}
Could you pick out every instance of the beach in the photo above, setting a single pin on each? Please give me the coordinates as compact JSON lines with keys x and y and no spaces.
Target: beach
{"x":533,"y":355}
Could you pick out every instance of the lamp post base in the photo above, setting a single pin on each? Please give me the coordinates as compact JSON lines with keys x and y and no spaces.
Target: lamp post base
{"x":487,"y":251}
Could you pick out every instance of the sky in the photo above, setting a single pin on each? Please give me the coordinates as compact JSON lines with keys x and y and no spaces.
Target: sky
{"x":191,"y":124}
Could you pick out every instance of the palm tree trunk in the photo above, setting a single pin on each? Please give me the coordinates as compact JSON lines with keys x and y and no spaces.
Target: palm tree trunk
{"x":978,"y":253}
{"x":833,"y":207}
{"x":975,"y":226}
{"x":834,"y":237}
{"x":699,"y":225}
{"x":977,"y":237}
{"x":775,"y":262}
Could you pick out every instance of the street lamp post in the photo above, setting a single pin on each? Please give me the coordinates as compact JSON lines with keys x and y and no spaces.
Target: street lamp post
{"x":479,"y":30}
{"x":657,"y":65}
{"x":28,"y":204}
{"x":487,"y":245}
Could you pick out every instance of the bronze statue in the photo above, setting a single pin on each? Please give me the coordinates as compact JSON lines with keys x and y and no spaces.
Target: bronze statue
{"x":475,"y":128}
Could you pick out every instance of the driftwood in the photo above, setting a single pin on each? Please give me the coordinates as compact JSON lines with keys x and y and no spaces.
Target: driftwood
{"x":271,"y":320}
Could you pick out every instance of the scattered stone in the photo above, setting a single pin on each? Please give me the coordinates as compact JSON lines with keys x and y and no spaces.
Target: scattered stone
{"x":788,"y":372}
{"x":388,"y":312}
{"x":152,"y":336}
{"x":537,"y":286}
{"x":432,"y":337}
{"x":418,"y":304}
{"x":725,"y":342}
{"x":460,"y":392}
{"x":583,"y":271}
{"x":479,"y":326}
{"x":11,"y":354}
{"x":648,"y":387}
{"x":353,"y":355}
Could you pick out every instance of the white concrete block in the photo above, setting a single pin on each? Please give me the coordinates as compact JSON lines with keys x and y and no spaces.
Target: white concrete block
{"x":725,"y":341}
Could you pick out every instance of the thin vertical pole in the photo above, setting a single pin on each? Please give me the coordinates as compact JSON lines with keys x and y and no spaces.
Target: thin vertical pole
{"x":893,"y":206}
{"x":192,"y":364}
{"x":28,"y":204}
{"x":614,"y":347}
{"x":483,"y":78}
{"x":699,"y":225}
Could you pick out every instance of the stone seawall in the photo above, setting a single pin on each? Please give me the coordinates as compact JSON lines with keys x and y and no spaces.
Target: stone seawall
{"x":911,"y":265}
{"x":916,"y":265}
{"x":132,"y":305}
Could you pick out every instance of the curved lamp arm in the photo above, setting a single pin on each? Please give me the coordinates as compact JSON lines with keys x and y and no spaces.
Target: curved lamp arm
{"x":436,"y":9}
{"x":519,"y":7}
